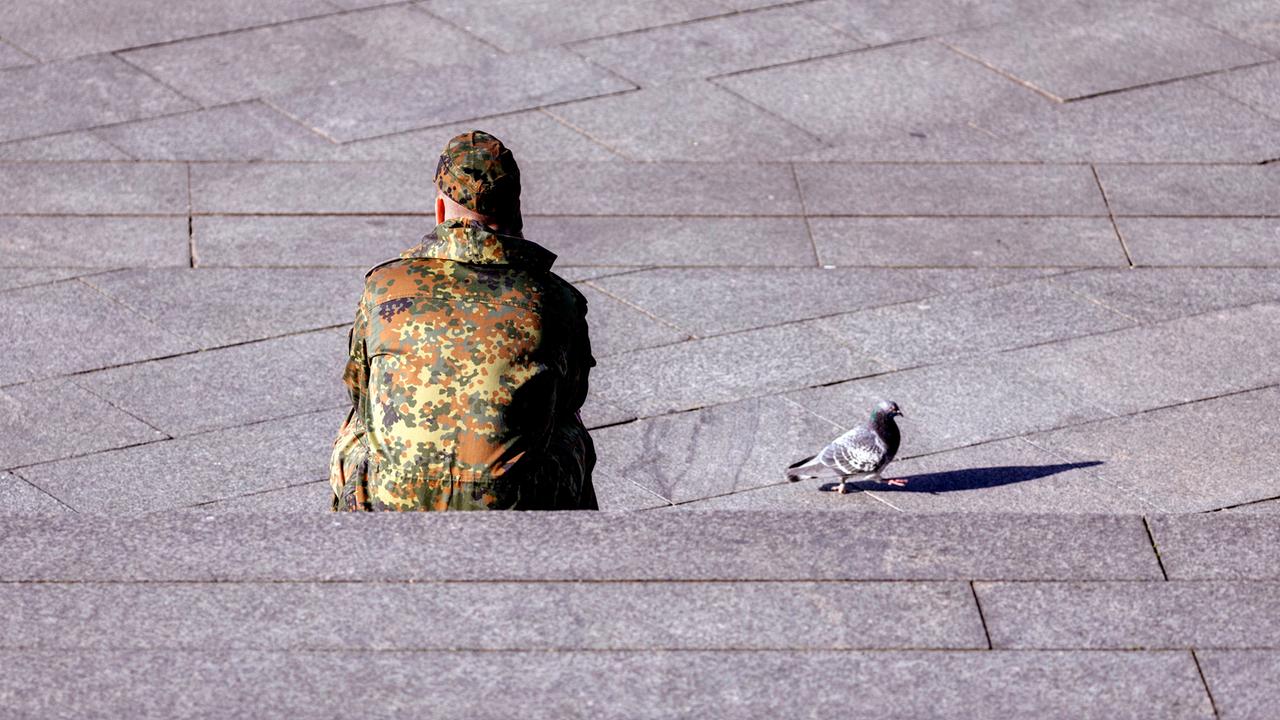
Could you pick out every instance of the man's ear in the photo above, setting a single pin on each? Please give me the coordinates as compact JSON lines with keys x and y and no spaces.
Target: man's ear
{"x":439,"y":209}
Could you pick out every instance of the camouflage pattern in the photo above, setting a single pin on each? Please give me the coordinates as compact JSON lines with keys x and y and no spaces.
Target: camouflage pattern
{"x":478,"y":172}
{"x":468,"y":365}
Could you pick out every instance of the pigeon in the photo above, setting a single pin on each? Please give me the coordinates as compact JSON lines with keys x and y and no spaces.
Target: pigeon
{"x":863,"y":451}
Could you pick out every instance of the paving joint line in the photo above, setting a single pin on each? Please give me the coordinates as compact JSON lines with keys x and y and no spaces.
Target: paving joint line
{"x":583,"y":132}
{"x":1111,"y":214}
{"x":415,"y":5}
{"x":114,"y":405}
{"x":823,"y":56}
{"x":1158,"y":83}
{"x":804,"y":211}
{"x":1213,"y":704}
{"x":147,"y":73}
{"x":191,"y":239}
{"x":41,"y":490}
{"x":771,"y":113}
{"x":1002,"y":73}
{"x":1242,"y":504}
{"x":1155,"y":549}
{"x":628,"y":580}
{"x":982,"y":616}
{"x":591,"y":284}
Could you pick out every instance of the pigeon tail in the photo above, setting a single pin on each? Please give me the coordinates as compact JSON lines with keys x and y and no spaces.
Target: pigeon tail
{"x":796,"y":471}
{"x":798,"y":463}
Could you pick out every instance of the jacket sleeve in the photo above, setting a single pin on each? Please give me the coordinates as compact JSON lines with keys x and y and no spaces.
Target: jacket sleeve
{"x":348,"y":464}
{"x":580,"y":359}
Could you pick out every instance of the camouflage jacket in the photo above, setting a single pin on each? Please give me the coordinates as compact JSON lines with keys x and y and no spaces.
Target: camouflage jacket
{"x":468,"y":365}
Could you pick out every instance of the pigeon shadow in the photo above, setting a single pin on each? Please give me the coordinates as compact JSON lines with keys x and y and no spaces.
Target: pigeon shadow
{"x":970,"y":478}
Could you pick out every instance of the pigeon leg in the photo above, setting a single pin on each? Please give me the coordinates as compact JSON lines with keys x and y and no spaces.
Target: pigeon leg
{"x":843,"y":486}
{"x":897,"y":482}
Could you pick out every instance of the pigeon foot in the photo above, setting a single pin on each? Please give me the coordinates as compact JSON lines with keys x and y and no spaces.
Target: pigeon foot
{"x":843,"y":488}
{"x":897,"y":482}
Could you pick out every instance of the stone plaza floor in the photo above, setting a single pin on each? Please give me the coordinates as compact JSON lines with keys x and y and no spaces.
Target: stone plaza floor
{"x":1049,"y":230}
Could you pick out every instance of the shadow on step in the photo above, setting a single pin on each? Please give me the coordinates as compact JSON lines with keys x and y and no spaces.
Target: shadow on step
{"x":973,"y":478}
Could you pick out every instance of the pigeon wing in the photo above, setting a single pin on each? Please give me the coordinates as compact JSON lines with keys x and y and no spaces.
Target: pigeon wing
{"x":858,"y":451}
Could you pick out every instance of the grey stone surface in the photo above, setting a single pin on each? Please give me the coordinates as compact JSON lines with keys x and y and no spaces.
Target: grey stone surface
{"x":886,"y":21}
{"x":51,"y":323}
{"x":716,"y":46}
{"x":722,"y":546}
{"x":54,"y":419}
{"x":242,"y":131}
{"x":1218,"y":546}
{"x":1176,"y":122}
{"x":355,"y":242}
{"x":521,"y":24}
{"x":994,"y":477}
{"x":1253,"y":21}
{"x":184,"y":472}
{"x":17,"y":496}
{"x":966,"y":242}
{"x":76,"y":145}
{"x":702,"y":372}
{"x":687,"y":121}
{"x":788,"y":496}
{"x":901,"y":684}
{"x":713,"y":451}
{"x":79,"y":94}
{"x":1263,"y":506}
{"x":915,"y":86}
{"x":666,"y":189}
{"x":958,"y":142}
{"x":1244,"y":683}
{"x":597,"y":413}
{"x":713,"y":301}
{"x":373,"y":107}
{"x":93,"y":188}
{"x":1192,"y":190}
{"x":983,"y":321}
{"x":93,"y":242}
{"x":1189,"y":458}
{"x":532,"y":135}
{"x":618,"y":327}
{"x":1077,"y":55}
{"x":1130,"y":615}
{"x":929,"y":189}
{"x":313,"y":188}
{"x":11,"y":56}
{"x":614,"y":493}
{"x":319,"y":52}
{"x":1203,"y":242}
{"x":501,"y":616}
{"x":684,"y":241}
{"x":309,"y":497}
{"x":1152,"y":295}
{"x":64,"y":30}
{"x":230,"y":387}
{"x":11,"y":278}
{"x":222,"y":306}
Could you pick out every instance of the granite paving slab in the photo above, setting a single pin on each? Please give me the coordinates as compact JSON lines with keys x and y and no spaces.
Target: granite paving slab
{"x":11,"y":56}
{"x":687,"y":121}
{"x":223,"y":306}
{"x":887,"y":684}
{"x":293,"y":56}
{"x":1151,"y":295}
{"x":313,"y":188}
{"x":522,"y":24}
{"x":75,"y":145}
{"x":664,"y":189}
{"x":19,"y":497}
{"x":1258,"y":87}
{"x":65,"y":30}
{"x":309,"y":497}
{"x":958,"y":142}
{"x":1264,"y":506}
{"x":531,"y":135}
{"x":180,"y":473}
{"x":723,"y":546}
{"x":349,"y":241}
{"x":54,"y":419}
{"x":618,"y":327}
{"x":503,"y":616}
{"x":880,"y":22}
{"x":377,"y":106}
{"x":93,"y":188}
{"x":1177,"y":122}
{"x":1190,"y":458}
{"x":1244,"y":683}
{"x":982,"y":321}
{"x":230,"y":387}
{"x":954,"y":280}
{"x":78,"y":94}
{"x":599,"y":413}
{"x":1082,"y":54}
{"x":11,"y":278}
{"x":1254,"y":21}
{"x":1203,"y":242}
{"x":1218,"y":546}
{"x":713,"y":301}
{"x":966,"y":242}
{"x":1130,"y":615}
{"x":721,"y":369}
{"x":620,"y":494}
{"x":913,"y":86}
{"x":716,"y":46}
{"x":93,"y":242}
{"x":55,"y":320}
{"x":788,"y":496}
{"x":675,"y":241}
{"x":954,"y":189}
{"x":1003,"y":476}
{"x":1192,"y":190}
{"x":238,"y":132}
{"x":713,"y":451}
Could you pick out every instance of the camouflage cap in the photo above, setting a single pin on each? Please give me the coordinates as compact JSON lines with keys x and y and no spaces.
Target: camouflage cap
{"x":479,"y":173}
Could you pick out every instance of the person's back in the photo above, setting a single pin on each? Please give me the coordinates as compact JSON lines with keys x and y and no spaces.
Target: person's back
{"x":468,"y":364}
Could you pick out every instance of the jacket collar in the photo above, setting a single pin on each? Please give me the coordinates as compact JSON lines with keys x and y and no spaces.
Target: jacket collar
{"x":468,"y":241}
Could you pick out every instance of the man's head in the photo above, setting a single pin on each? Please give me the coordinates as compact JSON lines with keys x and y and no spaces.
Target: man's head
{"x":477,"y":178}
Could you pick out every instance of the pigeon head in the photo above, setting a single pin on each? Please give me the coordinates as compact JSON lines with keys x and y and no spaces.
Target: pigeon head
{"x":887,"y":408}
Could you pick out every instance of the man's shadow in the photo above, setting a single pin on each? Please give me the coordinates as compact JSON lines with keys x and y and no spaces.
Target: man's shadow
{"x":969,"y":478}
